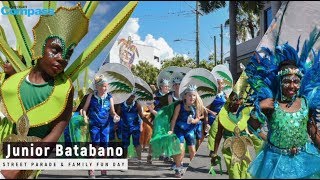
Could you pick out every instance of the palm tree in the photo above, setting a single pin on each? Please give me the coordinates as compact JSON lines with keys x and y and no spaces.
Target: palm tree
{"x":247,"y":24}
{"x":233,"y":39}
{"x":247,"y":6}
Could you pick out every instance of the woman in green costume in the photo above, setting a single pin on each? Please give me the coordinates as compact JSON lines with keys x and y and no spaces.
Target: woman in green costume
{"x":232,"y":125}
{"x":45,"y":86}
{"x":48,"y":85}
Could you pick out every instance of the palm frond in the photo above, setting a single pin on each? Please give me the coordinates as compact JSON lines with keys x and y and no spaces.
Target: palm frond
{"x":120,"y":91}
{"x":206,"y":89}
{"x":121,"y":86}
{"x":144,"y":95}
{"x":206,"y":81}
{"x":141,"y":88}
{"x":225,"y":76}
{"x":207,"y":96}
{"x":119,"y":77}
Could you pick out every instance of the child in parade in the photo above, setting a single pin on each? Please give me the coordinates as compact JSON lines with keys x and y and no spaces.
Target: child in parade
{"x":99,"y":105}
{"x":183,"y":123}
{"x":131,"y":114}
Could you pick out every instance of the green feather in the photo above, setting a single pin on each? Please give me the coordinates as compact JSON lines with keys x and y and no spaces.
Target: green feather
{"x":225,"y":76}
{"x":206,"y":81}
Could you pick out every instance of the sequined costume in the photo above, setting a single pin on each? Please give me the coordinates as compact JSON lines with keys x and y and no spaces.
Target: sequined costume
{"x":99,"y":124}
{"x":183,"y":130}
{"x":229,"y":121}
{"x":216,"y":106}
{"x":131,"y":124}
{"x":276,"y":161}
{"x":160,"y":100}
{"x":288,"y":152}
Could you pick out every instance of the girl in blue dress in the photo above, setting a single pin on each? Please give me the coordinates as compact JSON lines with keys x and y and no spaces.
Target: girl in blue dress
{"x":183,"y":123}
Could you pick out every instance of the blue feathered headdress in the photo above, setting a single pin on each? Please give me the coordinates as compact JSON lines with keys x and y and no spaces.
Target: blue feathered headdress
{"x":262,"y":72}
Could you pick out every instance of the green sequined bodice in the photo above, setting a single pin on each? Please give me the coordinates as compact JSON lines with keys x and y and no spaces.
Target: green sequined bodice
{"x":289,"y":129}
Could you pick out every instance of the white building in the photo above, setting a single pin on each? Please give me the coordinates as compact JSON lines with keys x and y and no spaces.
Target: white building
{"x":145,"y":53}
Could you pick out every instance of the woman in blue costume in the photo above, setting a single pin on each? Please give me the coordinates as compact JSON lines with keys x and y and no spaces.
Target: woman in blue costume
{"x":99,"y":105}
{"x":183,"y":123}
{"x":286,"y":108}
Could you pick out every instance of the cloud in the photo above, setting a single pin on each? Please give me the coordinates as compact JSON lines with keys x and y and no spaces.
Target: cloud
{"x":102,"y":8}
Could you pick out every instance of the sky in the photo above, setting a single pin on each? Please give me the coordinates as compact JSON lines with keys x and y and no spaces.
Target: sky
{"x":160,"y":23}
{"x":153,"y":23}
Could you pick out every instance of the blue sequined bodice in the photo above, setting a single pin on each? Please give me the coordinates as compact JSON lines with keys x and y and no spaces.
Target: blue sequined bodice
{"x":218,"y":103}
{"x":160,"y":100}
{"x":288,"y":129}
{"x":99,"y":109}
{"x":129,"y":115}
{"x":183,"y":117}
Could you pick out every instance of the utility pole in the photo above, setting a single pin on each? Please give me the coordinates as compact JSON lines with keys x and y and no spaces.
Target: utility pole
{"x":197,"y":33}
{"x":215,"y":51}
{"x":221,"y":36}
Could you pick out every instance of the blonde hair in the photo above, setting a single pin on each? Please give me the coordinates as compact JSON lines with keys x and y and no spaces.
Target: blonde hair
{"x":198,"y":103}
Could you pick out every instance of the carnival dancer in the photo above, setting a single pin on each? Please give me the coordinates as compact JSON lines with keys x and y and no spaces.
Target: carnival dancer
{"x":286,"y":97}
{"x":130,"y":112}
{"x":160,"y":100}
{"x":225,"y":85}
{"x":185,"y":118}
{"x":144,"y":97}
{"x":99,"y":105}
{"x":146,"y":131}
{"x":219,"y":101}
{"x":232,"y":124}
{"x":47,"y":85}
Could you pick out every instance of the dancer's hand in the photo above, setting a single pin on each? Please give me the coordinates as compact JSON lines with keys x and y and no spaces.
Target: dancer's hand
{"x":116,"y":118}
{"x":267,"y":103}
{"x":190,"y":119}
{"x":170,"y":132}
{"x":215,"y":159}
{"x":207,"y":128}
{"x":81,"y":112}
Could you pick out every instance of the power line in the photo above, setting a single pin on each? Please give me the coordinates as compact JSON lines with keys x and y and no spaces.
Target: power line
{"x":193,"y":9}
{"x":205,"y":45}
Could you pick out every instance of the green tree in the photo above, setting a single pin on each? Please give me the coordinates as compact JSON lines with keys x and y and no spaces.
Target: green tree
{"x":181,"y":62}
{"x":145,"y":71}
{"x":247,"y":20}
{"x":206,"y":65}
{"x":211,"y":6}
{"x":178,"y":61}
